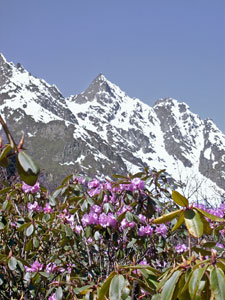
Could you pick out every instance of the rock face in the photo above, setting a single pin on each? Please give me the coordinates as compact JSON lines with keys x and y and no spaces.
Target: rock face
{"x":104,"y":131}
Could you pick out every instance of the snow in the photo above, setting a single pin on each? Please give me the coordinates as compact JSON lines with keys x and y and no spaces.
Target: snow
{"x":117,"y":119}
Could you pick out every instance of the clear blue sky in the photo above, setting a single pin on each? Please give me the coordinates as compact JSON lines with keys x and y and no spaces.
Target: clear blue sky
{"x":150,"y":48}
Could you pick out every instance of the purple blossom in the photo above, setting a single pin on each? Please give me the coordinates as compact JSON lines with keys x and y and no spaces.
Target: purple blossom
{"x":145,"y":230}
{"x":126,"y":187}
{"x":222,"y":232}
{"x":112,"y":220}
{"x":124,"y":209}
{"x":142,"y":218}
{"x":113,"y":198}
{"x":34,"y":207}
{"x":31,"y":189}
{"x":162,"y":230}
{"x":70,"y":219}
{"x":89,"y":240}
{"x":96,"y":209}
{"x":93,"y":184}
{"x":180,"y":248}
{"x":124,"y":224}
{"x":138,"y":184}
{"x":79,"y":180}
{"x":50,"y":268}
{"x":48,"y":209}
{"x":35,"y":267}
{"x":103,"y":220}
{"x":131,"y":224}
{"x":90,"y":219}
{"x":78,"y":229}
{"x":107,"y":186}
{"x":95,"y":191}
{"x":219,"y":245}
{"x":52,"y":297}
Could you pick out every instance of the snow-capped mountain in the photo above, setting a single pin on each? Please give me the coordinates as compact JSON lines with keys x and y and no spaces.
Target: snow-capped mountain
{"x":104,"y":131}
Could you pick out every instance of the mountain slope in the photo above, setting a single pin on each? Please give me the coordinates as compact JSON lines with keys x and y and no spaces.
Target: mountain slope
{"x":103,"y":131}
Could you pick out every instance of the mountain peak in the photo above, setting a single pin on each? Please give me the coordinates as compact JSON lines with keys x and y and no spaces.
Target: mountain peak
{"x":100,"y":77}
{"x":2,"y":58}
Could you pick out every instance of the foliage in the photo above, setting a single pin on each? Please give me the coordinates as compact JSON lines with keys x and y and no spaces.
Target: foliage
{"x":125,"y":238}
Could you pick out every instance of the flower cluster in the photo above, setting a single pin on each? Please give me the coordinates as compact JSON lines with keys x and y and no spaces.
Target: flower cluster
{"x":37,"y":208}
{"x":31,"y":189}
{"x":35,"y":267}
{"x":180,"y":248}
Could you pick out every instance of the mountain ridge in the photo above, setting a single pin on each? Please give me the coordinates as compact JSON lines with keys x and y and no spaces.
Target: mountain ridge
{"x":103,"y":131}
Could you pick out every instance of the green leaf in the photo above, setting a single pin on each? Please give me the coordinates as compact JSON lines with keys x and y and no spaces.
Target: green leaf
{"x":27,"y":168}
{"x":23,"y":226}
{"x":27,"y":178}
{"x":29,"y":245}
{"x":209,"y":216}
{"x":195,"y":280}
{"x":59,"y":293}
{"x":179,"y":199}
{"x":180,"y":221}
{"x":104,"y":291}
{"x":168,"y":217}
{"x":206,"y":226}
{"x":36,"y":242}
{"x":193,"y":223}
{"x":27,"y":163}
{"x":12,"y":263}
{"x":2,"y":226}
{"x":5,"y":190}
{"x":156,"y":297}
{"x":119,"y":176}
{"x":5,"y":205}
{"x":145,"y":267}
{"x":217,"y":282}
{"x":170,"y":285}
{"x":67,"y":179}
{"x":116,"y":286}
{"x":138,"y":175}
{"x":4,"y":162}
{"x":68,"y":230}
{"x":129,"y":216}
{"x":5,"y":151}
{"x":30,"y":230}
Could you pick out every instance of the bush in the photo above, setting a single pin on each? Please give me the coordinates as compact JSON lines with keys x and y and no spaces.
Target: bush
{"x":127,"y":238}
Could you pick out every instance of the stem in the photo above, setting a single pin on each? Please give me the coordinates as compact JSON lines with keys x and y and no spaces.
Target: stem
{"x":85,"y":239}
{"x":8,"y":134}
{"x":189,"y":244}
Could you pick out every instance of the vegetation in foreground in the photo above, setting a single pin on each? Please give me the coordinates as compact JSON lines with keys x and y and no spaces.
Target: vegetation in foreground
{"x":129,"y":238}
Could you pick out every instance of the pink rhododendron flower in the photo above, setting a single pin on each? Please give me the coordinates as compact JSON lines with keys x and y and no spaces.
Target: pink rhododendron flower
{"x":161,"y":230}
{"x":142,"y":218}
{"x":78,"y":229}
{"x":112,"y":220}
{"x":96,"y":209}
{"x":35,"y":267}
{"x":180,"y":248}
{"x":52,"y":297}
{"x":34,"y":207}
{"x":50,"y":268}
{"x":220,"y":245}
{"x":145,"y":230}
{"x":89,"y":240}
{"x":93,"y":184}
{"x":137,"y":184}
{"x":103,"y":220}
{"x":79,"y":180}
{"x":31,"y":189}
{"x":48,"y":209}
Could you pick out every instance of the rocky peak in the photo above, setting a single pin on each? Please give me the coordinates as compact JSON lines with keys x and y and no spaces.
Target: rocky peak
{"x":2,"y":59}
{"x":103,"y":131}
